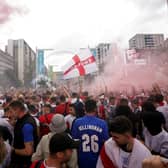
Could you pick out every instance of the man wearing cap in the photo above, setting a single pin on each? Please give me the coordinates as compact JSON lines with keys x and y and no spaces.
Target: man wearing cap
{"x":57,"y":125}
{"x":60,"y":151}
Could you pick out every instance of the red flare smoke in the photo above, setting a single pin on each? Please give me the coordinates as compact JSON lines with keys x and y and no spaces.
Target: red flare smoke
{"x":6,"y":10}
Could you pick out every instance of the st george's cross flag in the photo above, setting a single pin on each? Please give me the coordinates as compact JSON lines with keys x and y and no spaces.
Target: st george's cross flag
{"x":81,"y":64}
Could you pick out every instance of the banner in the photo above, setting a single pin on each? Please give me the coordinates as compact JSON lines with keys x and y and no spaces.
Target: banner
{"x":40,"y":62}
{"x":131,"y":55}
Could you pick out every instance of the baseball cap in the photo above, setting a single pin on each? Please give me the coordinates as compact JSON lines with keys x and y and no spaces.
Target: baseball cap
{"x":57,"y":124}
{"x":62,"y":141}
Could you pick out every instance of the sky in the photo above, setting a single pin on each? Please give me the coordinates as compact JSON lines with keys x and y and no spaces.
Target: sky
{"x":73,"y":24}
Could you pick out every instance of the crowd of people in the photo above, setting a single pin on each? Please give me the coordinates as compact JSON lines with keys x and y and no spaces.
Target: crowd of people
{"x":69,"y":130}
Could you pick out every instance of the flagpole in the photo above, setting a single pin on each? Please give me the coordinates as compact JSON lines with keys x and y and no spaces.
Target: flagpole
{"x":80,"y":85}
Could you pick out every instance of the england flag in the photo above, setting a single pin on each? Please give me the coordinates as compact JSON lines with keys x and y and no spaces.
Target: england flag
{"x":81,"y":64}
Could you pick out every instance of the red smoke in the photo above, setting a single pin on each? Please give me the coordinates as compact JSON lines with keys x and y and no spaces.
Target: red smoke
{"x":6,"y":10}
{"x":120,"y":77}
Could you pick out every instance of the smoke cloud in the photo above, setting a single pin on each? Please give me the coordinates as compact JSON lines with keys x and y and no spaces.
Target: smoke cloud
{"x":7,"y":10}
{"x":121,"y":77}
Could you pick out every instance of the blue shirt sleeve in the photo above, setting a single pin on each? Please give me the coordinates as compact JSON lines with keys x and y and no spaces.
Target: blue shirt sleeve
{"x":27,"y":131}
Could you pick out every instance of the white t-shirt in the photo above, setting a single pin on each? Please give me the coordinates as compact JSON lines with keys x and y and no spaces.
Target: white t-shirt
{"x":69,"y":120}
{"x":125,"y":158}
{"x":157,"y":143}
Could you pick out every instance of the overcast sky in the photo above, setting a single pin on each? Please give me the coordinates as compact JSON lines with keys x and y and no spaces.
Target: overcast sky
{"x":72,"y":24}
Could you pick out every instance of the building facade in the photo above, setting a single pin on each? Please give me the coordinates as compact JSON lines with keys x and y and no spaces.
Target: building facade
{"x":24,"y":60}
{"x":164,"y":45}
{"x":146,"y":41}
{"x":6,"y":62}
{"x":7,"y":77}
{"x":105,"y":53}
{"x":102,"y":52}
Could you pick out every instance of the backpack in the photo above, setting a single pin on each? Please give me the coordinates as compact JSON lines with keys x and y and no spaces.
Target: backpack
{"x":79,"y":108}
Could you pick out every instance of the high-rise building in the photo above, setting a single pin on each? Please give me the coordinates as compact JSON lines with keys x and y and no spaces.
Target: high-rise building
{"x":6,"y":62}
{"x":146,"y":41}
{"x":24,"y":60}
{"x":7,"y":77}
{"x":102,"y":51}
{"x":101,"y":54}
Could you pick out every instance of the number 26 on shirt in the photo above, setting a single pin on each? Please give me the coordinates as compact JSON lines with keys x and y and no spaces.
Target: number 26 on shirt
{"x":90,"y":143}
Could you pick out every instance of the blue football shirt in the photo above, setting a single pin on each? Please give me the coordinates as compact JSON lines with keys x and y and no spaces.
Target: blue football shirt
{"x":92,"y":132}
